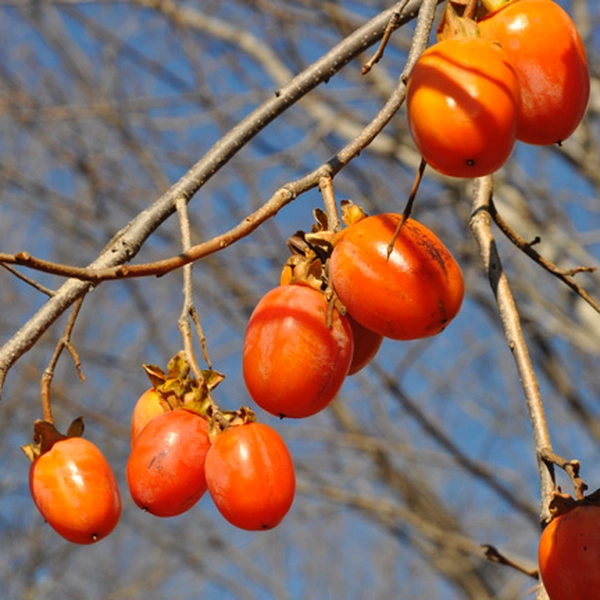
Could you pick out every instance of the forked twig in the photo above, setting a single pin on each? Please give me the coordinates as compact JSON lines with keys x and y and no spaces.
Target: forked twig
{"x":188,"y":294}
{"x":570,"y":467}
{"x":565,"y":275}
{"x":387,"y":34}
{"x":48,"y":375}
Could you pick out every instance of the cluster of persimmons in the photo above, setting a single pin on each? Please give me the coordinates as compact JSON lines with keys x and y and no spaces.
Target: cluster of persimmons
{"x":340,"y":294}
{"x":515,"y":71}
{"x":518,"y":71}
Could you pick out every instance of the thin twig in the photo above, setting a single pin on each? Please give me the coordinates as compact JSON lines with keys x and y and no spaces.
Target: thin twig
{"x":188,"y":293}
{"x":565,"y":275}
{"x":409,"y":205}
{"x":201,"y":337}
{"x":48,"y":375}
{"x":387,"y":34}
{"x":331,"y":210}
{"x":570,"y":467}
{"x":34,"y":284}
{"x":494,"y":555}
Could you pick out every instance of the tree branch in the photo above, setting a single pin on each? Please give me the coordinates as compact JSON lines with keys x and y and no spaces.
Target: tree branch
{"x":481,"y":227}
{"x":127,"y":243}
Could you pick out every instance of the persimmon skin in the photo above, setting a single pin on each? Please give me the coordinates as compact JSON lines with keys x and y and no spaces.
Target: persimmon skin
{"x":546,"y":50}
{"x":462,"y":104}
{"x":366,"y":346}
{"x":293,"y":363}
{"x":250,"y":476}
{"x":146,"y":408}
{"x":569,"y":555}
{"x":75,"y":490}
{"x":413,"y":294}
{"x":165,"y":470}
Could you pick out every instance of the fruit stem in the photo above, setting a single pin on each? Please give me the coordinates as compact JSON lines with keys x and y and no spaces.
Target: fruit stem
{"x":45,"y":397}
{"x":333,"y":217}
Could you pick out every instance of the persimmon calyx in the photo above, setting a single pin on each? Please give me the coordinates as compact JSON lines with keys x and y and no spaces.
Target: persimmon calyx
{"x":351,"y":212}
{"x":306,"y":269}
{"x":177,"y":388}
{"x":310,"y":252}
{"x":455,"y":26}
{"x":45,"y":435}
{"x":219,"y":420}
{"x":561,"y":503}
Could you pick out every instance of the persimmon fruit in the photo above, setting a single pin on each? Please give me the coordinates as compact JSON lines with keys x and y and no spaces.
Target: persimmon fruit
{"x":549,"y":58}
{"x":165,"y":470}
{"x":297,"y":351}
{"x":76,"y":491}
{"x":413,"y":293}
{"x":463,"y":99}
{"x":569,"y":554}
{"x":250,"y":476}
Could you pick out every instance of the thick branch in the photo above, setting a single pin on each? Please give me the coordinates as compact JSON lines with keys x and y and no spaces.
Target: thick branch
{"x":482,"y":231}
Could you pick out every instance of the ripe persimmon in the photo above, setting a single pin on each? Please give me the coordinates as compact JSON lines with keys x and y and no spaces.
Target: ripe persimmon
{"x":543,"y":44}
{"x":413,"y":293}
{"x":569,"y":554}
{"x":250,"y":476}
{"x":462,"y":102}
{"x":75,"y":489}
{"x":297,"y":351}
{"x":165,"y":470}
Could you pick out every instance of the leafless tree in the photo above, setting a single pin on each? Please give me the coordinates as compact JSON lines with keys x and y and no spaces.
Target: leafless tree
{"x":439,"y":453}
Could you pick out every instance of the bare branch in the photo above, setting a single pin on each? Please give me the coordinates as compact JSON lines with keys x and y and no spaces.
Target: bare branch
{"x":188,"y":294}
{"x":494,"y":555}
{"x":481,"y":228}
{"x":126,"y":244}
{"x":565,"y":275}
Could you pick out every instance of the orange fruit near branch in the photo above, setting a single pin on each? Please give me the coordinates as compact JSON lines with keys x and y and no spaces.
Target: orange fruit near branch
{"x":165,"y":470}
{"x":543,"y":44}
{"x":569,"y":554}
{"x":462,"y":102}
{"x":75,"y":489}
{"x":294,"y":360}
{"x":250,"y":476}
{"x":412,"y":294}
